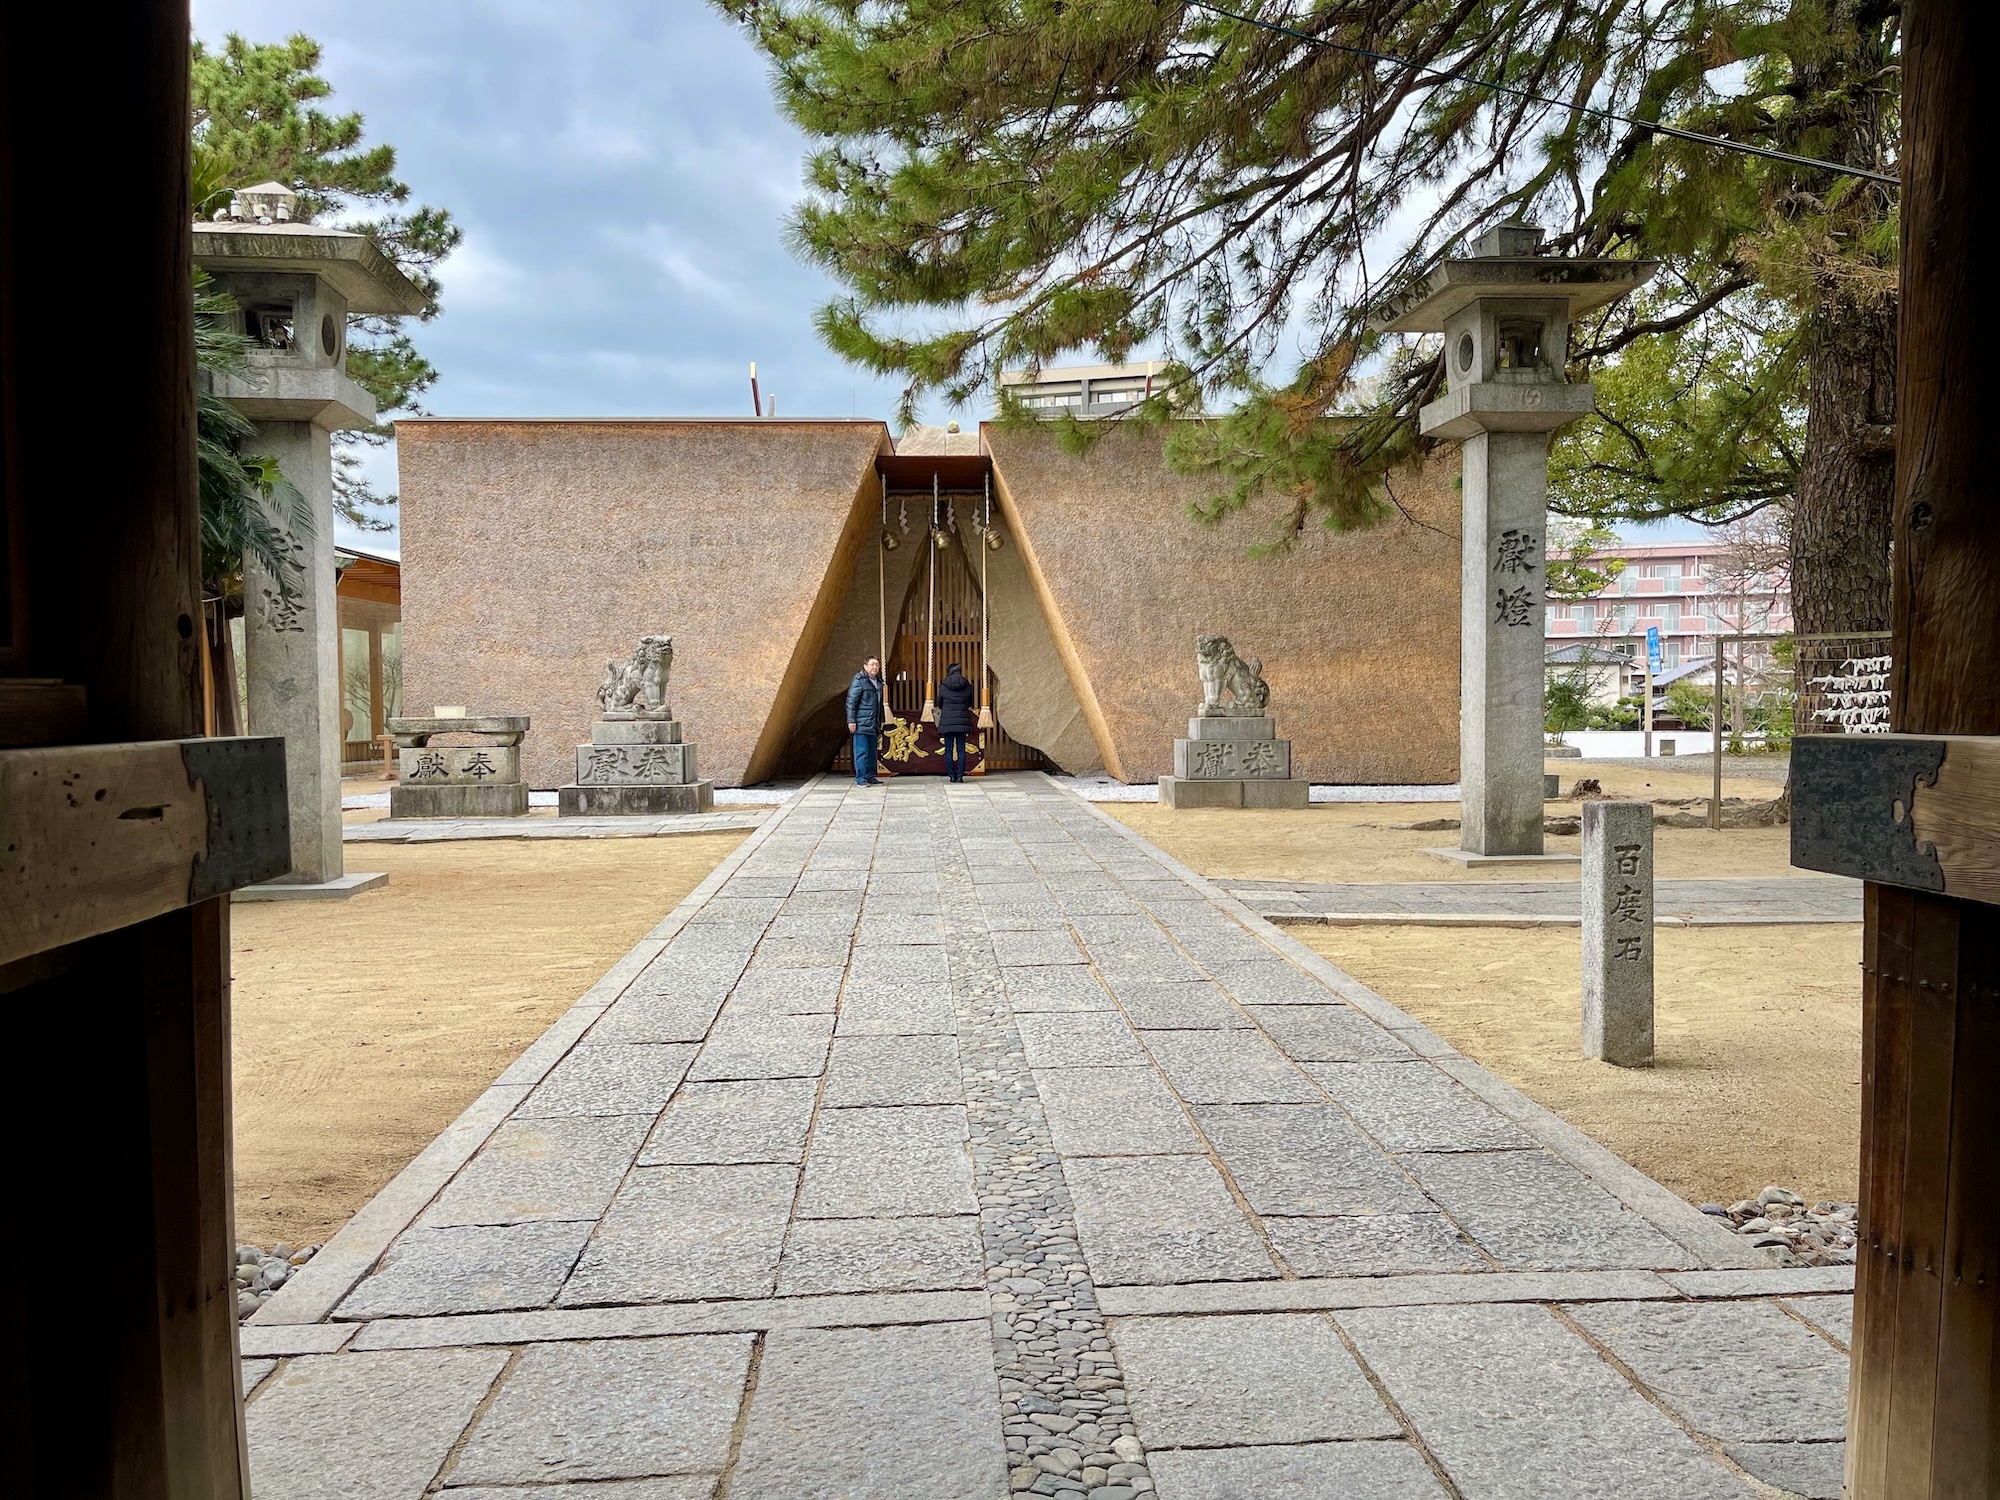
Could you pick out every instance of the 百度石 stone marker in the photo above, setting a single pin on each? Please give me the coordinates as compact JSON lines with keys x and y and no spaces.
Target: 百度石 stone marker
{"x":1618,"y":933}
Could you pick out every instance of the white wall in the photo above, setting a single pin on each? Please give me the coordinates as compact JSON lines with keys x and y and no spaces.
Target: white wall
{"x":1624,"y":744}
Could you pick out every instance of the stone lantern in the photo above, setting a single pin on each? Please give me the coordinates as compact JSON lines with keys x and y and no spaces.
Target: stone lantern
{"x":296,"y":284}
{"x":1505,"y":312}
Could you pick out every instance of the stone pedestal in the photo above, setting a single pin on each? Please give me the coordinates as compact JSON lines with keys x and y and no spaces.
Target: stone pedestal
{"x":1229,"y":761}
{"x":635,"y":767}
{"x":479,"y":780}
{"x":1618,"y":932}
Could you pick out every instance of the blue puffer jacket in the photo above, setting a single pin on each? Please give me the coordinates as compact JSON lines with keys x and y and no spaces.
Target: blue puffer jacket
{"x":864,"y":704}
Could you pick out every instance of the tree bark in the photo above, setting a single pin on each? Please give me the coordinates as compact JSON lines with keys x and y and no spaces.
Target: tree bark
{"x":1847,"y":479}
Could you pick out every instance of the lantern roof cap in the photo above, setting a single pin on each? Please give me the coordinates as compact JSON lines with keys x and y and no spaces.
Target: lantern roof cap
{"x":1504,"y":263}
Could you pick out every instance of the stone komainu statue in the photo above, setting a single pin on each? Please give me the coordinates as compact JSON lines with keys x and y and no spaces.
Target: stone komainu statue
{"x":637,"y":688}
{"x":1223,"y":671}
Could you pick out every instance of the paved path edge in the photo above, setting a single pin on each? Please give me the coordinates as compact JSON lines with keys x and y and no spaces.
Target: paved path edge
{"x":311,"y":1295}
{"x":1700,"y":1235}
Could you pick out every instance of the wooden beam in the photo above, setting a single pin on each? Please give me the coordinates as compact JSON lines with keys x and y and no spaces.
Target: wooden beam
{"x":97,"y":837}
{"x":1923,"y":1420}
{"x":1917,"y":811}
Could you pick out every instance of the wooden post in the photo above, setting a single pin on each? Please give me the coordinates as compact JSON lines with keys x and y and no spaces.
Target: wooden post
{"x":1715,"y":756}
{"x":375,"y":711}
{"x":123,"y":1126}
{"x":1921,"y":1408}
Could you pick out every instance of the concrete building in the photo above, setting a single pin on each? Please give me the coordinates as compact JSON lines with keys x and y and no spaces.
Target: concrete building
{"x":1690,"y":591}
{"x":1084,"y":390}
{"x":536,"y":550}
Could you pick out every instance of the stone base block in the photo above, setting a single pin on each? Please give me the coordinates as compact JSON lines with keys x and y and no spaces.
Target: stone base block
{"x":1182,"y":791}
{"x":1561,"y":752}
{"x":1219,"y":728}
{"x":636,"y":732}
{"x":1467,"y":857}
{"x":1233,"y":760}
{"x":506,"y":799}
{"x":1552,"y":785}
{"x":458,"y":765}
{"x":324,"y":890}
{"x":670,"y":764}
{"x":634,"y":801}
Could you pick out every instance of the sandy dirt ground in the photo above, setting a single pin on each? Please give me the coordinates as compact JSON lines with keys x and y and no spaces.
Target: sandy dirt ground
{"x":1359,"y":841}
{"x":363,"y":1028}
{"x":1758,"y":1036}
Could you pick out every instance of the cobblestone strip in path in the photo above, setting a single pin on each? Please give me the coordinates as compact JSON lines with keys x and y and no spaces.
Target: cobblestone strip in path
{"x":1062,"y":1396}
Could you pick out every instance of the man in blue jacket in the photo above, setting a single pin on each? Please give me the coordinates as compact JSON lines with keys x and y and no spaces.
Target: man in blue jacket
{"x":865,"y":717}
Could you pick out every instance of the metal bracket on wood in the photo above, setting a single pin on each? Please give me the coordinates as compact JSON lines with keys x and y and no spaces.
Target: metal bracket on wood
{"x":97,"y":837}
{"x":1918,"y":811}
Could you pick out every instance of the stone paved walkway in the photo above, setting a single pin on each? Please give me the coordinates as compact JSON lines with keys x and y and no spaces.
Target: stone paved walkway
{"x":949,"y":1142}
{"x":1730,"y":902}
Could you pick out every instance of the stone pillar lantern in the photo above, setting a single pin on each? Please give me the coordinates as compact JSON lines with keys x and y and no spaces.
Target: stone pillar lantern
{"x":1505,"y":312}
{"x":296,"y":284}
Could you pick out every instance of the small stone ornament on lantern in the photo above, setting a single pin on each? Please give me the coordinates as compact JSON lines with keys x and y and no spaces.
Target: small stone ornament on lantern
{"x":636,"y":764}
{"x":477,"y":776}
{"x":1232,"y":756}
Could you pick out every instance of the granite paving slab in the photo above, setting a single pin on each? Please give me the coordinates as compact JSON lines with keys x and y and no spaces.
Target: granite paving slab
{"x":1724,"y":901}
{"x":1306,"y":1159}
{"x":1271,"y":982}
{"x":1833,"y":1315}
{"x":842,"y":1412}
{"x":633,"y":1079}
{"x":1810,"y":1470}
{"x":764,"y":1046}
{"x":1534,"y":1212}
{"x":1328,"y":1033}
{"x":1296,"y":1471}
{"x":610,"y":1409}
{"x":1228,"y":1067}
{"x":1246,"y":1378}
{"x":1686,"y":1354}
{"x":743,"y":1120}
{"x":686,"y":1232}
{"x":786,"y":992}
{"x":887,"y":1163}
{"x":1417,"y":1108}
{"x":881,"y":1255}
{"x":1153,"y":1005}
{"x":468,"y":1268}
{"x":1149,"y":1220}
{"x":657,"y":1017}
{"x":334,"y":1426}
{"x":1147,"y":1100}
{"x":559,"y":1167}
{"x":892,"y":1070}
{"x":885,"y":1007}
{"x":1035,"y":947}
{"x":1088,"y":1039}
{"x":674,"y":1487}
{"x":1113,"y":1112}
{"x":1407,"y":1244}
{"x":1517,"y":1407}
{"x":1063,"y":987}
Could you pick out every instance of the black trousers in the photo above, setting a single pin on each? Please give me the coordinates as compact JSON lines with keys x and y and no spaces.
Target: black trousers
{"x":954,"y":756}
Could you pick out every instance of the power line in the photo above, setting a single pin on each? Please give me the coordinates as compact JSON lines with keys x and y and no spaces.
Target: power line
{"x":1433,"y":75}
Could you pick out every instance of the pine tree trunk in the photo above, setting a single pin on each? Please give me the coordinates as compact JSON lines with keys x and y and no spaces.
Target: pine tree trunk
{"x":1840,"y":524}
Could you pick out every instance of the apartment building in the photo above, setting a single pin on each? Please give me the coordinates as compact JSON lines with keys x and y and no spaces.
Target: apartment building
{"x":1691,"y":592}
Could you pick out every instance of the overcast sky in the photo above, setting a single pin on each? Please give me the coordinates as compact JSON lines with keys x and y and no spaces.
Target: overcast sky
{"x":622,"y":176}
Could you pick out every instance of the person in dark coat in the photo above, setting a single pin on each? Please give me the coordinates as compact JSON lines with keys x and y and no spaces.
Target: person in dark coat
{"x":866,"y":714}
{"x":955,"y":719}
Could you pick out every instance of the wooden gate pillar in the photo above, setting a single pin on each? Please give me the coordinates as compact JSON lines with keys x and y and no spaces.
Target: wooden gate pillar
{"x":120,"y":836}
{"x":1917,"y":813}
